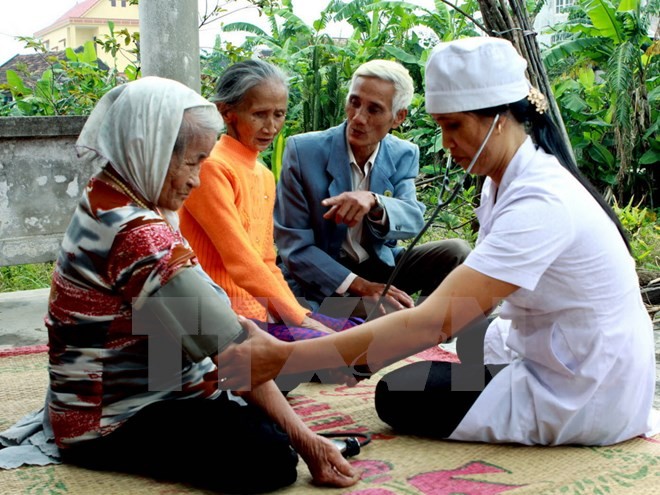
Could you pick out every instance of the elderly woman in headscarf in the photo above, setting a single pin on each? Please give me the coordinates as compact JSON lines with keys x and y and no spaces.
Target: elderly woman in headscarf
{"x":125,"y":295}
{"x":570,"y":359}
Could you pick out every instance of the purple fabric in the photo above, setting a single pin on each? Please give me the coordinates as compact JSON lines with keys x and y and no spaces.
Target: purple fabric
{"x":290,"y":334}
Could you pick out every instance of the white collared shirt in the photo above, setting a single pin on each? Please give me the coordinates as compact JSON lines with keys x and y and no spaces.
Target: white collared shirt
{"x":359,"y":182}
{"x":360,"y":179}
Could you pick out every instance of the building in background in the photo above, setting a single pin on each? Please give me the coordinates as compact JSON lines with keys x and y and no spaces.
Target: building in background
{"x":88,"y":21}
{"x":552,"y":13}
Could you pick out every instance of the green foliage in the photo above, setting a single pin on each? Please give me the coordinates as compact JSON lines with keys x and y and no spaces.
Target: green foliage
{"x":122,"y":44}
{"x":321,"y":67}
{"x":644,"y":232}
{"x":69,"y":87}
{"x":25,"y":277}
{"x":72,"y":85}
{"x":456,"y":220}
{"x":605,"y":80}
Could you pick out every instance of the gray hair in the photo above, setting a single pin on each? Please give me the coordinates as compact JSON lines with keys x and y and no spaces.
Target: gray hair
{"x":393,"y":72}
{"x":196,"y":120}
{"x":241,"y":77}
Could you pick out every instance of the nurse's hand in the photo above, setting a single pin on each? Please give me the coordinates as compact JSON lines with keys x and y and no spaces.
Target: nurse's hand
{"x":256,"y":360}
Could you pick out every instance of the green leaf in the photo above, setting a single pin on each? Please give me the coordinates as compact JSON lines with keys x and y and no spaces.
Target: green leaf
{"x":574,"y":103}
{"x":620,"y":73}
{"x":71,"y":55}
{"x":131,"y":72}
{"x":89,"y":53}
{"x":601,"y":154}
{"x":559,"y":52}
{"x":651,"y":157}
{"x":608,"y":178}
{"x":25,"y":107}
{"x":401,"y":55}
{"x":566,"y":86}
{"x":597,"y":123}
{"x":276,"y":157}
{"x":245,"y":26}
{"x":429,"y":170}
{"x":16,"y":84}
{"x":587,"y":77}
{"x":44,"y":86}
{"x":628,"y":5}
{"x":603,"y":17}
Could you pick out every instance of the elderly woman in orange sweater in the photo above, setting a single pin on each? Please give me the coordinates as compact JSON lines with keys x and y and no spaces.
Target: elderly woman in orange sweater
{"x":229,"y":219}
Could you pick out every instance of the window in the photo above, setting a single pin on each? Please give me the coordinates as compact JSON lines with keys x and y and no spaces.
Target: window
{"x":113,"y":3}
{"x":123,"y":3}
{"x":562,"y":5}
{"x":63,"y":43}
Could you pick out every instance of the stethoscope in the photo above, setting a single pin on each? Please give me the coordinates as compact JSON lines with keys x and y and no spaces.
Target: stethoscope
{"x":439,"y":207}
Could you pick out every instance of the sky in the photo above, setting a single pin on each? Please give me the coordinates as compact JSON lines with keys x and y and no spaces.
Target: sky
{"x":25,"y":17}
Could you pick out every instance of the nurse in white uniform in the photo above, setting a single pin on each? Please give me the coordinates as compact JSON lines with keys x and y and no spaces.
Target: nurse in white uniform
{"x":570,"y":358}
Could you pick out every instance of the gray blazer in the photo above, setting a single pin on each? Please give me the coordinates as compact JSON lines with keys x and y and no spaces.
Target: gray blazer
{"x":316,"y":166}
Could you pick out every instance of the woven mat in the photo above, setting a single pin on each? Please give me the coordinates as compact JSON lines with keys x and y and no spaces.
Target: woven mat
{"x":393,"y":465}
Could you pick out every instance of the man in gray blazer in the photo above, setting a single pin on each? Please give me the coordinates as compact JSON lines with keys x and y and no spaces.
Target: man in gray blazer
{"x":347,"y":195}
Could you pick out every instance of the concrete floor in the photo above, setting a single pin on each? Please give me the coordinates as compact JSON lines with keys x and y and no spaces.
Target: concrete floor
{"x":22,"y":318}
{"x":22,"y":324}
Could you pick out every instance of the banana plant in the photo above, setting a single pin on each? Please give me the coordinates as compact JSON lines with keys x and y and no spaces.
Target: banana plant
{"x":608,"y":69}
{"x":321,"y":67}
{"x":312,"y":60}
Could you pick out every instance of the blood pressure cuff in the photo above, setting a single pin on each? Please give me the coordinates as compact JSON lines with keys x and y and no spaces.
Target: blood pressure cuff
{"x":188,"y":310}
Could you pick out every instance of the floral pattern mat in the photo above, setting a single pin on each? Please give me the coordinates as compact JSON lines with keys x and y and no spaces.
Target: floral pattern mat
{"x":392,"y":464}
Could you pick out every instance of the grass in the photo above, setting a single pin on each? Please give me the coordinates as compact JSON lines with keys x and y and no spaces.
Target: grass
{"x":25,"y":277}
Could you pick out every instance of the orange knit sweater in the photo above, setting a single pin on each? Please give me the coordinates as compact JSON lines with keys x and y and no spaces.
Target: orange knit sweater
{"x":228,"y":221}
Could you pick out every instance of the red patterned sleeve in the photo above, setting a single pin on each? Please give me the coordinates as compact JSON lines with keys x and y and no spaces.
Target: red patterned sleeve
{"x":145,"y":254}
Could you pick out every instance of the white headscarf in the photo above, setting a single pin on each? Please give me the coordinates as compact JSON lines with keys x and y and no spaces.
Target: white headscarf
{"x":134,"y":127}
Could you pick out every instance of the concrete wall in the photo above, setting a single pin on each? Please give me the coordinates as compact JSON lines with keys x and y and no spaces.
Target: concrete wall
{"x":41,"y":180}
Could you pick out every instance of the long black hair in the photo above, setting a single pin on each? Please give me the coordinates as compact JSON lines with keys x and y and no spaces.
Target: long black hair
{"x":546,"y":135}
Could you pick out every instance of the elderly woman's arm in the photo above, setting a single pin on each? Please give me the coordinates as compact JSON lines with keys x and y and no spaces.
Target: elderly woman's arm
{"x":325,"y":462}
{"x":463,"y":296}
